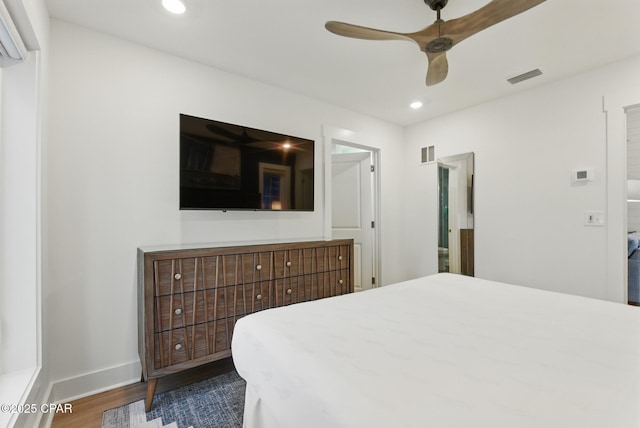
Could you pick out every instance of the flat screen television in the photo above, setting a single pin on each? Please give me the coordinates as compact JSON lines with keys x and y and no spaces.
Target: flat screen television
{"x":232,"y":167}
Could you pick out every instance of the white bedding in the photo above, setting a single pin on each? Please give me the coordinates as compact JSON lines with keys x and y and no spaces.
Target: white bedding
{"x":442,"y":351}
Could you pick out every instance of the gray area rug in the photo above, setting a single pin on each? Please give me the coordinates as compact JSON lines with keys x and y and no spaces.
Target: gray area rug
{"x":217,"y":402}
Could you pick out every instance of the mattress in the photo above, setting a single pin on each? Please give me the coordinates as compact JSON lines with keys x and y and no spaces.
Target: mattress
{"x":442,"y":351}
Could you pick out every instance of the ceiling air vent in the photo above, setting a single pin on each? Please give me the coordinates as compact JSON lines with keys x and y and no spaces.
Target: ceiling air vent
{"x":12,"y":49}
{"x":524,"y":76}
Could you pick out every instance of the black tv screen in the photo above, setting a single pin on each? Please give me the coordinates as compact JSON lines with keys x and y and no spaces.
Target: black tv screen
{"x":232,"y":167}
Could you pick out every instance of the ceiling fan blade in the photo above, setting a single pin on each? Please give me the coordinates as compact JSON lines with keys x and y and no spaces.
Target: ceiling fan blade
{"x":496,"y":11}
{"x":438,"y":68}
{"x":358,"y":32}
{"x":243,"y":138}
{"x":441,"y":36}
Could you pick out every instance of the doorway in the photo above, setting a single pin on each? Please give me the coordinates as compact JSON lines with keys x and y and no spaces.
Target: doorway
{"x":447,"y":227}
{"x":455,"y":214}
{"x":354,"y":207}
{"x":633,"y":205}
{"x":616,"y":105}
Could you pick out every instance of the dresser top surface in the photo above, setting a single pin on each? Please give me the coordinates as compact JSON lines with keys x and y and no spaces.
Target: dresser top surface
{"x":203,"y":246}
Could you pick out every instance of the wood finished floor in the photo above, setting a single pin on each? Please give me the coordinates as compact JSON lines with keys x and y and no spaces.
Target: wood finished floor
{"x":87,"y":412}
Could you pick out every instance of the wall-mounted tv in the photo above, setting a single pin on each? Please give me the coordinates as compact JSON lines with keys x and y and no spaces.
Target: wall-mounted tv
{"x":232,"y":167}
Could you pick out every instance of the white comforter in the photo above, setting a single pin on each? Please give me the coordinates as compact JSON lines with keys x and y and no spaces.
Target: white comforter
{"x":442,"y":351}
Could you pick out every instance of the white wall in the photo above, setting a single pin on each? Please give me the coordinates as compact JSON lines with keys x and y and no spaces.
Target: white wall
{"x":529,"y":217}
{"x":111,"y":174}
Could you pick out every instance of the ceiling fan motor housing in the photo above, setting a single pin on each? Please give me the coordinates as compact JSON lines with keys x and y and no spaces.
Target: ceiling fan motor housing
{"x":436,"y":4}
{"x":441,"y":44}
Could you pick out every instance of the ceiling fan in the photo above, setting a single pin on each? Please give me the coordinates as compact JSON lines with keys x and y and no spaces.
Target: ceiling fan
{"x":436,"y":39}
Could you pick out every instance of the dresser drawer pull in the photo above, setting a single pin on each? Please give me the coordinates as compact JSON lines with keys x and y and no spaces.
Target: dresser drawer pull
{"x":178,"y":311}
{"x":177,"y":276}
{"x":178,"y":347}
{"x":289,"y":291}
{"x":339,"y":257}
{"x":341,"y":282}
{"x":288,"y":264}
{"x":259,"y":297}
{"x":259,"y":267}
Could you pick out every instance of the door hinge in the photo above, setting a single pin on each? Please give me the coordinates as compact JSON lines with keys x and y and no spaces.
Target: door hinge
{"x":373,"y":280}
{"x":373,"y":224}
{"x":373,"y":168}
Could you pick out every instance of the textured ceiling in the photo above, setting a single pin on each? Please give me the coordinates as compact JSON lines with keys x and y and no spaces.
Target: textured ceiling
{"x":284,"y":43}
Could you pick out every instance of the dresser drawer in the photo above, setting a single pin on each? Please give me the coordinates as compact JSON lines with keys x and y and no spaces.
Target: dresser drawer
{"x":289,"y":290}
{"x":324,"y":259}
{"x":340,"y":282}
{"x":171,"y":348}
{"x":327,"y":284}
{"x":171,"y":275}
{"x":179,"y":310}
{"x":312,"y":287}
{"x":257,"y":266}
{"x":193,"y":342}
{"x":257,"y":297}
{"x":342,"y":255}
{"x":287,"y":263}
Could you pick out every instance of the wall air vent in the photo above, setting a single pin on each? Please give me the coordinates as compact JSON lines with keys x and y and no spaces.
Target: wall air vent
{"x":524,"y":76}
{"x":12,"y":48}
{"x":428,"y":154}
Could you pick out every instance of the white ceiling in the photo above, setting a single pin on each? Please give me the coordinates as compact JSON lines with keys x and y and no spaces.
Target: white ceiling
{"x":284,"y":43}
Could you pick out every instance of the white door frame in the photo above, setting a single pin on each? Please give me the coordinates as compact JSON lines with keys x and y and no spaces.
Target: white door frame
{"x":347,"y":137}
{"x":360,"y":229}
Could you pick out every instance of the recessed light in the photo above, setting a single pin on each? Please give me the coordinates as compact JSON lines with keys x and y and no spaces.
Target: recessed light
{"x":416,"y":105}
{"x":174,"y":6}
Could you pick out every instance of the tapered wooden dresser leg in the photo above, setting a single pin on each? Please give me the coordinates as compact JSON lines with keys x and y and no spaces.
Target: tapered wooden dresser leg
{"x":151,"y":390}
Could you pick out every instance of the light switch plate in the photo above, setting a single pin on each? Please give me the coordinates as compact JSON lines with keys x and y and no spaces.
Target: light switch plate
{"x":594,"y":218}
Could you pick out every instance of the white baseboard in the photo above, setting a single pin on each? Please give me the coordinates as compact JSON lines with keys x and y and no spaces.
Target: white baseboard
{"x":66,"y":390}
{"x":43,"y":420}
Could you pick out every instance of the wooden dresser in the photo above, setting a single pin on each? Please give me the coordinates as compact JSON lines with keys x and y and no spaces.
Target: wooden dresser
{"x":190,"y":299}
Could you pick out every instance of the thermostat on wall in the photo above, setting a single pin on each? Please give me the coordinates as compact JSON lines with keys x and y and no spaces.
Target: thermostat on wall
{"x":581,"y":175}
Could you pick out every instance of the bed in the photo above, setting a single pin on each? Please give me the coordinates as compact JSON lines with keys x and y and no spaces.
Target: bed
{"x":442,"y":351}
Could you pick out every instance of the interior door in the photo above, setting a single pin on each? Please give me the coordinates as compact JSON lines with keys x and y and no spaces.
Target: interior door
{"x":352,"y":210}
